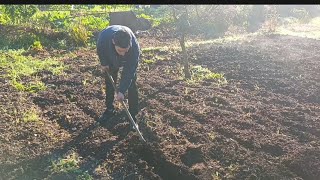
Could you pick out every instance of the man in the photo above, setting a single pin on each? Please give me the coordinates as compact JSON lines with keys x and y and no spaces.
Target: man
{"x":117,"y":47}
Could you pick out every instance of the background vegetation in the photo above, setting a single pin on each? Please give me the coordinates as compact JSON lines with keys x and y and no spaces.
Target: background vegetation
{"x":66,"y":26}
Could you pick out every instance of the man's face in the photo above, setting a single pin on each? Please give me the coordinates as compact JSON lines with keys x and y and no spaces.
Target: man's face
{"x":121,"y":51}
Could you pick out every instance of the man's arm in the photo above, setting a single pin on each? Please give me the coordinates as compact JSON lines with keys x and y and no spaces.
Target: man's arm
{"x":130,"y":68}
{"x":103,"y":49}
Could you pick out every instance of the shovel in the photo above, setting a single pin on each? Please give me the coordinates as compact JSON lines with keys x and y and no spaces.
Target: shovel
{"x":126,"y":109}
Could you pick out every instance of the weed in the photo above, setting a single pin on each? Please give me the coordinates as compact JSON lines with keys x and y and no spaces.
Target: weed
{"x":32,"y":87}
{"x":18,"y":66}
{"x":79,"y":34}
{"x":148,"y":61}
{"x":232,"y":169}
{"x":84,"y":176}
{"x":160,"y":58}
{"x":198,"y":74}
{"x":62,"y":43}
{"x":256,"y":87}
{"x":155,"y":49}
{"x":216,"y":176}
{"x":68,"y":164}
{"x":212,"y":136}
{"x":37,"y":46}
{"x":186,"y":91}
{"x":31,"y":116}
{"x":84,"y":82}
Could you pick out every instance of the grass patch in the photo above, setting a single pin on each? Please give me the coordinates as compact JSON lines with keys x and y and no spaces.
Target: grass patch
{"x":306,"y":30}
{"x":222,"y":40}
{"x":149,"y":61}
{"x":314,"y":34}
{"x":32,"y":87}
{"x":157,"y":49}
{"x":32,"y":115}
{"x":18,"y":66}
{"x":70,"y":165}
{"x":199,"y":74}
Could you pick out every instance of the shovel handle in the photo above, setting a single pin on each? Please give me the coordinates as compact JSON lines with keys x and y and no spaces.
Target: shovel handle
{"x":126,"y":109}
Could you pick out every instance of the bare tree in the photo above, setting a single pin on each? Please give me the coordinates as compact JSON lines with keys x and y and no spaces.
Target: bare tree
{"x":182,"y":24}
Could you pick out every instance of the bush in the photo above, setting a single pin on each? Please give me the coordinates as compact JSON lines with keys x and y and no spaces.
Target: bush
{"x":4,"y":19}
{"x":94,"y":23}
{"x":79,"y":34}
{"x":37,"y":46}
{"x":53,"y":19}
{"x":20,"y":13}
{"x":302,"y":14}
{"x":17,"y":41}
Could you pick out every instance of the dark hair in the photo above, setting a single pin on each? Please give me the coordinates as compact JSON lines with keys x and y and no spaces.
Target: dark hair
{"x":122,"y":38}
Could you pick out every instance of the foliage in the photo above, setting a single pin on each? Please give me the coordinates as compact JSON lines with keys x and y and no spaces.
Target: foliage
{"x":37,"y":46}
{"x":84,"y":176}
{"x":302,"y":14}
{"x":16,"y":38}
{"x":160,"y":16}
{"x":4,"y":19}
{"x":94,"y":23}
{"x":53,"y":19}
{"x":18,"y":13}
{"x":18,"y":66}
{"x":148,"y":61}
{"x":31,"y":115}
{"x":79,"y":34}
{"x":272,"y":17}
{"x":31,"y":87}
{"x":69,"y":164}
{"x":199,"y":73}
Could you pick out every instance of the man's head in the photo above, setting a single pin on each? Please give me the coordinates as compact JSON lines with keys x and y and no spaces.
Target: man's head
{"x":122,"y":41}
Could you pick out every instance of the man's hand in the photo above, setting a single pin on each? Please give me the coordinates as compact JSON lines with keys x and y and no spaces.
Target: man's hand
{"x":105,"y":69}
{"x":119,"y":96}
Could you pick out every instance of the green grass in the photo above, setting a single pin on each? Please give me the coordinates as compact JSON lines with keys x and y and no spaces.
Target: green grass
{"x":189,"y":43}
{"x":70,"y":165}
{"x":31,"y":115}
{"x":149,"y":61}
{"x":18,"y":66}
{"x":158,"y":48}
{"x":199,"y":73}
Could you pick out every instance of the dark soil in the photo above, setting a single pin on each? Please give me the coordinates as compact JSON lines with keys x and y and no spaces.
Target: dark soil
{"x":263,"y":124}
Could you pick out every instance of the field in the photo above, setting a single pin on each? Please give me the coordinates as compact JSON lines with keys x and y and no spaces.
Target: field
{"x":261,"y":123}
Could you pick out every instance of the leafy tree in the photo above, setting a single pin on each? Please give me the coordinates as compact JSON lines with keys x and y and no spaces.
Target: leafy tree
{"x":18,"y":13}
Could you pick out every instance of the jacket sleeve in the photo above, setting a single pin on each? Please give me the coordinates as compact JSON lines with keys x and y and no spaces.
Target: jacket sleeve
{"x":103,"y":49}
{"x":129,"y":68}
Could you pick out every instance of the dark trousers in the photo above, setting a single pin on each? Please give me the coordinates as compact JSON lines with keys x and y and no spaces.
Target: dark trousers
{"x":133,"y":98}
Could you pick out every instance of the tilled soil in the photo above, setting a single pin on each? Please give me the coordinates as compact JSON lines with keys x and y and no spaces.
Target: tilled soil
{"x":263,"y":124}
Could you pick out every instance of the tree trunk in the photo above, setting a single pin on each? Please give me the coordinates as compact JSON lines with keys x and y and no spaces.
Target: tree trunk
{"x":186,"y":68}
{"x":182,"y":34}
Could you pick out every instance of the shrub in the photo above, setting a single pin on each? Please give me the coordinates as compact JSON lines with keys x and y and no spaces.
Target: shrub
{"x":94,"y":23}
{"x":79,"y":34}
{"x":302,"y":14}
{"x":18,"y":13}
{"x":19,"y":66}
{"x":37,"y":46}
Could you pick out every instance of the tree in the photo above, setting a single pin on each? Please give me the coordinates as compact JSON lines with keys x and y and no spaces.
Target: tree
{"x":182,"y":24}
{"x":18,"y":13}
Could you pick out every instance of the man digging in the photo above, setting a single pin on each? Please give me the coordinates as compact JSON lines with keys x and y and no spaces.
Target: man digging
{"x":118,"y":47}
